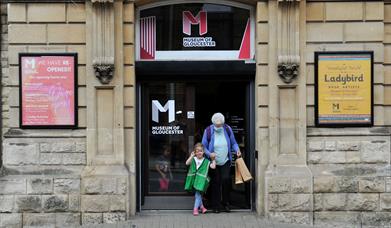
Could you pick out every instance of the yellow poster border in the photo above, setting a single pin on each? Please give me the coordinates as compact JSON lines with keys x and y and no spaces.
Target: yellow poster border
{"x":343,"y":122}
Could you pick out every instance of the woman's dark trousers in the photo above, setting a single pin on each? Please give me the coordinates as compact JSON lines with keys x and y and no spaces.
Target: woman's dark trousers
{"x":220,"y":183}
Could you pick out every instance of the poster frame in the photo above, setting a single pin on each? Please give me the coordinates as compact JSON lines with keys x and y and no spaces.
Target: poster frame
{"x":75,"y":87}
{"x":316,"y":84}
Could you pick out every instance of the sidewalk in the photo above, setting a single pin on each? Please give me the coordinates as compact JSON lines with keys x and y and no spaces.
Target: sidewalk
{"x":186,"y":219}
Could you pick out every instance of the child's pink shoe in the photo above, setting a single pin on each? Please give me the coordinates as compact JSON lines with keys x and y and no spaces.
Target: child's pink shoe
{"x":203,"y":210}
{"x":195,"y":211}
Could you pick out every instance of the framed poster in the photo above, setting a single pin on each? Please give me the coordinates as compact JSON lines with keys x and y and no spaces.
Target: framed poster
{"x":48,"y":90}
{"x":343,"y":89}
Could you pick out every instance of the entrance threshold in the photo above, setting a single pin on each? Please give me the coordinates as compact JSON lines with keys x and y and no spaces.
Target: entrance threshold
{"x":186,"y":211}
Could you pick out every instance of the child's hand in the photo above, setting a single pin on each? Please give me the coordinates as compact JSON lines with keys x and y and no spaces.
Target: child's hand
{"x":213,"y":165}
{"x":192,"y":154}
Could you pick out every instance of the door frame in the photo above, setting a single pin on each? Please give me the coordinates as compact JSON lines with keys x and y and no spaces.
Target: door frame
{"x":197,"y":70}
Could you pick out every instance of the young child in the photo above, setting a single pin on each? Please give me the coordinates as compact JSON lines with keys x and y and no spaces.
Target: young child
{"x":197,"y":179}
{"x":163,"y":168}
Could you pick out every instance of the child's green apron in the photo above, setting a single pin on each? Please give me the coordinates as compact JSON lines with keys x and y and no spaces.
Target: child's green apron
{"x":198,"y":179}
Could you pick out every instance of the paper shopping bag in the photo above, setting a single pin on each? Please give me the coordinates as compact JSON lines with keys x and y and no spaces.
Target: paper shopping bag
{"x":243,"y":170}
{"x":238,"y":177}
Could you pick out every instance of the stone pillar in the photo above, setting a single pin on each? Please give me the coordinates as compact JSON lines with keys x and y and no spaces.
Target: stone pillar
{"x":105,"y":114}
{"x":105,"y":179}
{"x":3,"y":61}
{"x":288,"y":180}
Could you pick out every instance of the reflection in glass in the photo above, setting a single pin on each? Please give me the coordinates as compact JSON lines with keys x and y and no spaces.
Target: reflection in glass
{"x":167,"y":140}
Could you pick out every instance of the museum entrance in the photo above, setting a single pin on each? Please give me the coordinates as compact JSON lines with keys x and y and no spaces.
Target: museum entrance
{"x":172,"y":117}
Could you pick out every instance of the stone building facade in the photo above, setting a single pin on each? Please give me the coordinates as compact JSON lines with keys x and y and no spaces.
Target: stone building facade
{"x":88,"y":175}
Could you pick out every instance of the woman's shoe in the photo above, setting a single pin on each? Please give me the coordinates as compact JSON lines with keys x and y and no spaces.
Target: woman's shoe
{"x":195,"y":211}
{"x":203,"y":210}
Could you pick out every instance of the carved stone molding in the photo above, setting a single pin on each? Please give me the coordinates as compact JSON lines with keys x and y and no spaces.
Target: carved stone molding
{"x":103,"y":40}
{"x":288,"y":39}
{"x":288,"y":71}
{"x":104,"y":72}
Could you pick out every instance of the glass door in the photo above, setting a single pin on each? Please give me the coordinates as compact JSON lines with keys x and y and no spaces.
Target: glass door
{"x":168,"y":126}
{"x":173,"y":117}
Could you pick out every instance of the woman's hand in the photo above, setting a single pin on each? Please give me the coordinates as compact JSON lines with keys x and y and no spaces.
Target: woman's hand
{"x":212,"y":156}
{"x":238,"y":153}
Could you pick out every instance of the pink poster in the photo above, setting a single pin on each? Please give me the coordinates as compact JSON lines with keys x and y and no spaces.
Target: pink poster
{"x":48,"y":90}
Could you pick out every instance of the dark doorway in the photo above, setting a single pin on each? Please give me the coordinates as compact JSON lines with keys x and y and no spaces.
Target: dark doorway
{"x":174,"y":114}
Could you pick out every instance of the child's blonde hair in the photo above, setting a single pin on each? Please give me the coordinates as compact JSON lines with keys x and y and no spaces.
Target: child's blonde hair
{"x":199,"y":145}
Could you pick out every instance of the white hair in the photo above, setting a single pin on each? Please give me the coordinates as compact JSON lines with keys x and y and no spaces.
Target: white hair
{"x":218,"y":118}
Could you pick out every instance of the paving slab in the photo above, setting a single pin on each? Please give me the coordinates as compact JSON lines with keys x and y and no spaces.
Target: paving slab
{"x":185,"y":219}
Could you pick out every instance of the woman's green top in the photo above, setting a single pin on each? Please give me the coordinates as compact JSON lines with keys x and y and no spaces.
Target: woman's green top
{"x":197,"y":179}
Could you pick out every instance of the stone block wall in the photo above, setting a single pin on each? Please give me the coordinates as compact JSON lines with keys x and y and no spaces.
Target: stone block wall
{"x":290,"y":199}
{"x":346,"y":179}
{"x":363,"y":27}
{"x":103,"y":199}
{"x":40,"y":184}
{"x":351,"y":176}
{"x":350,"y":167}
{"x":3,"y":50}
{"x":46,"y":180}
{"x":57,"y":28}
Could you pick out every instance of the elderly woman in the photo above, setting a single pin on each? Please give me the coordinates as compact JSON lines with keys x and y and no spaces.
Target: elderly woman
{"x":219,"y":143}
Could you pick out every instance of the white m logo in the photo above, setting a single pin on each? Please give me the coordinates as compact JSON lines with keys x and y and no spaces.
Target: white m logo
{"x":157,"y":107}
{"x":29,"y":62}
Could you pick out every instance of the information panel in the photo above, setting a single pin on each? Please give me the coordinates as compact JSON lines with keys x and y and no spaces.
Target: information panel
{"x":343,"y":89}
{"x":48,"y":92}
